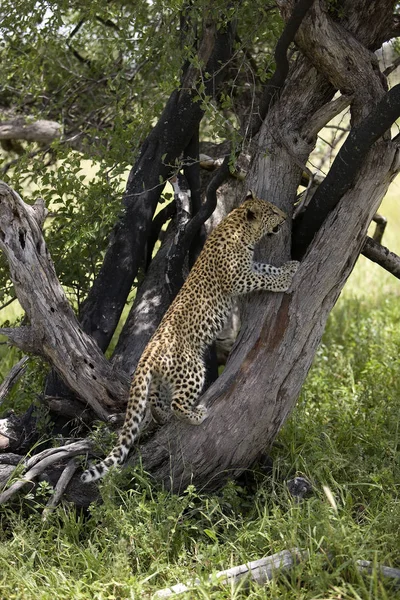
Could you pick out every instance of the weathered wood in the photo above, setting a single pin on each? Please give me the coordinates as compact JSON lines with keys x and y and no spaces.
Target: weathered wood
{"x":8,"y":462}
{"x":260,"y":571}
{"x":54,"y":331}
{"x":12,"y":377}
{"x":60,"y":487}
{"x":267,"y":568}
{"x":280,"y":331}
{"x":368,"y":566}
{"x":156,"y":160}
{"x":40,"y":462}
{"x":381,"y":223}
{"x":71,"y":408}
{"x":41,"y":131}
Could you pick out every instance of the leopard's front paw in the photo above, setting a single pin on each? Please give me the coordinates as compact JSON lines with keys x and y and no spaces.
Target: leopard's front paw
{"x":287,"y":273}
{"x":291,"y":266}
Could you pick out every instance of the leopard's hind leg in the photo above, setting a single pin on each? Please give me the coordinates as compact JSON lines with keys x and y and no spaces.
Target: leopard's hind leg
{"x":160,"y":399}
{"x":187,"y":381}
{"x":134,"y":415}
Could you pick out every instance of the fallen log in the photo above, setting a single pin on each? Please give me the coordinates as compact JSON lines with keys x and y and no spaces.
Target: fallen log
{"x":265,"y":569}
{"x":260,"y":571}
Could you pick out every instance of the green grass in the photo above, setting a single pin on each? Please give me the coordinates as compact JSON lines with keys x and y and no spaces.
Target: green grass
{"x":344,"y":434}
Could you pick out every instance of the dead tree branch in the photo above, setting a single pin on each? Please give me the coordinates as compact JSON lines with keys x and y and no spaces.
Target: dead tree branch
{"x":381,"y":223}
{"x":15,"y":373}
{"x":280,"y":329}
{"x":260,"y":571}
{"x":382,"y":256}
{"x":41,"y":131}
{"x":345,"y":168}
{"x":277,"y":80}
{"x":54,"y":331}
{"x":267,"y":568}
{"x":40,"y":462}
{"x":158,"y":155}
{"x":61,"y":486}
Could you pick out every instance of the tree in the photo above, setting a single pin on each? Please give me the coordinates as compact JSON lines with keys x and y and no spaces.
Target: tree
{"x":102,"y":74}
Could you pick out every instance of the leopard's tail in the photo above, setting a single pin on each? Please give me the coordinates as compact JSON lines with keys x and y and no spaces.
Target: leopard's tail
{"x":134,"y":415}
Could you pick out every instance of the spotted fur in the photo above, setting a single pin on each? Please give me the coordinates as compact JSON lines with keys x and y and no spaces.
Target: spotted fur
{"x":170,"y":373}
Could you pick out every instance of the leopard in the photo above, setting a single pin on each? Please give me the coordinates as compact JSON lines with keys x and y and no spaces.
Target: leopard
{"x":170,"y":374}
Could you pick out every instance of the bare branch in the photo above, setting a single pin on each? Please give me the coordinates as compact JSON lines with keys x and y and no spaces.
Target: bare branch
{"x":381,"y":223}
{"x":54,"y":331}
{"x":209,"y":205}
{"x":41,"y":462}
{"x":369,"y":566}
{"x":70,"y":408}
{"x":41,"y":131}
{"x":177,"y":252}
{"x":366,"y":83}
{"x":345,"y":168}
{"x":327,"y":113}
{"x":166,"y":142}
{"x":22,"y":337}
{"x":259,"y":571}
{"x":277,"y":80}
{"x":267,"y":568}
{"x":212,"y":164}
{"x":14,"y":374}
{"x":382,"y":256}
{"x":159,"y":220}
{"x":61,"y":486}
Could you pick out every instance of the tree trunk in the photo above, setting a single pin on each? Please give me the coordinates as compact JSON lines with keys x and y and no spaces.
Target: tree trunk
{"x":259,"y":387}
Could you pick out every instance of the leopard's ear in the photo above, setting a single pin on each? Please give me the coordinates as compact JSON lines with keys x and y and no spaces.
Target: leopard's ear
{"x":250,"y":215}
{"x":250,"y":194}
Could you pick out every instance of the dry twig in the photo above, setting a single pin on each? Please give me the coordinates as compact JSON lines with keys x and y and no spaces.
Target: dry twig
{"x":40,"y":462}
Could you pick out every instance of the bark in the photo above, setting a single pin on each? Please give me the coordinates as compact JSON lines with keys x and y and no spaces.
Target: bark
{"x":260,"y":571}
{"x":280,"y":333}
{"x":345,"y":167}
{"x":271,"y":362}
{"x":275,"y":84}
{"x":11,"y":379}
{"x":153,"y":297}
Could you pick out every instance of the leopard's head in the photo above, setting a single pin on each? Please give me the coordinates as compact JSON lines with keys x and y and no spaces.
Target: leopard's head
{"x":261,"y":217}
